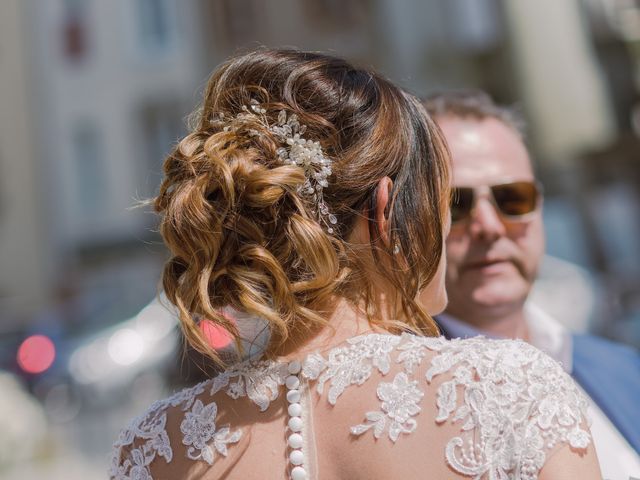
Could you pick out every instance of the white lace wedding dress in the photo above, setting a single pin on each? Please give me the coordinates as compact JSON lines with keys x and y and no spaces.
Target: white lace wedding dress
{"x":377,"y":407}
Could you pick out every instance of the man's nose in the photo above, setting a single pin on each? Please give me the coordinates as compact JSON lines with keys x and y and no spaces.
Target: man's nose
{"x":486,"y":222}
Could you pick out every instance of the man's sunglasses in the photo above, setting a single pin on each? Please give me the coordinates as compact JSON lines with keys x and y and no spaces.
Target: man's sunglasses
{"x":513,"y":200}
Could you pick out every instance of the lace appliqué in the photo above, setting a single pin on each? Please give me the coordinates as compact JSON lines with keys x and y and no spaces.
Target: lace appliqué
{"x":413,"y":349}
{"x":514,"y":404}
{"x":259,"y":381}
{"x":354,"y":364}
{"x":200,"y":432}
{"x":351,"y":365}
{"x":399,"y":403}
{"x":151,"y":427}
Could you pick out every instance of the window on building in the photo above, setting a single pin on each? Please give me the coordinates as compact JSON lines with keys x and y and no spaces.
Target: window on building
{"x":155,"y":24}
{"x":235,"y":21}
{"x":162,"y":126}
{"x":89,"y":165}
{"x":337,"y":14}
{"x":74,"y":31}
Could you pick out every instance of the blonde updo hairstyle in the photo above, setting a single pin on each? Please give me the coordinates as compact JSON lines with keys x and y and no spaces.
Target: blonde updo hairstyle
{"x":241,"y":234}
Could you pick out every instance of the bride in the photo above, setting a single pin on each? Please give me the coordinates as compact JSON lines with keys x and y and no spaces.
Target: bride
{"x":309,"y":205}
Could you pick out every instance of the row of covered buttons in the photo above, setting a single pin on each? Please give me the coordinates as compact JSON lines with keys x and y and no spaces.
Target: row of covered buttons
{"x":295,"y":440}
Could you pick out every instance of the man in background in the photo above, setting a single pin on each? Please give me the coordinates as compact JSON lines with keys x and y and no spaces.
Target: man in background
{"x":493,"y":253}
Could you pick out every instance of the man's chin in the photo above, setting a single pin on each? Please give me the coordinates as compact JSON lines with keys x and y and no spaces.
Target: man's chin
{"x":498,"y":294}
{"x":489,"y":272}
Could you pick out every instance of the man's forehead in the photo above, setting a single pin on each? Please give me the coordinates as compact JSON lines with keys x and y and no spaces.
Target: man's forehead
{"x":485,"y":151}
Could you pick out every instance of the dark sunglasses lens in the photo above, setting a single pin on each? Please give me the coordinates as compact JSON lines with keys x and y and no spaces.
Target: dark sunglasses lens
{"x":461,"y":203}
{"x":517,"y":198}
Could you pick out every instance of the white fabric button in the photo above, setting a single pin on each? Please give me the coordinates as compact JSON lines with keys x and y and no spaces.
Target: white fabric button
{"x":298,"y":473}
{"x":295,"y":410}
{"x":296,"y":457}
{"x":295,"y":424}
{"x":292,"y":382}
{"x":294,"y":367}
{"x":295,"y":440}
{"x":293,"y":396}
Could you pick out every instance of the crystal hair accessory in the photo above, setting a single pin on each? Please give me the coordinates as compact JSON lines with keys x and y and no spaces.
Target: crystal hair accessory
{"x":295,"y":150}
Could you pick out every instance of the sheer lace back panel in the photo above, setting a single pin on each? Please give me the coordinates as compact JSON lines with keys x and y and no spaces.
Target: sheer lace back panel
{"x":376,"y":407}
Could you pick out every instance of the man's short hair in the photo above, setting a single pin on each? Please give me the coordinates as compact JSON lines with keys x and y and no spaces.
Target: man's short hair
{"x":474,"y":104}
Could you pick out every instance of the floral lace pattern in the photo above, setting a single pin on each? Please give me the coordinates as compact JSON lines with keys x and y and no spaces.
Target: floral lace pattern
{"x":351,"y":365}
{"x":260,"y":381}
{"x":150,"y":427}
{"x":513,"y":403}
{"x":516,"y":401}
{"x":199,"y":430}
{"x":399,"y":403}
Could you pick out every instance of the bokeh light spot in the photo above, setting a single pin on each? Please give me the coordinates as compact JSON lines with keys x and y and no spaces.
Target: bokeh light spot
{"x":36,"y":354}
{"x":125,"y":346}
{"x":218,"y":337}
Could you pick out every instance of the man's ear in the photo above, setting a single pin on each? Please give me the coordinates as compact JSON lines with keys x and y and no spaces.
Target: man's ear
{"x":383,"y":204}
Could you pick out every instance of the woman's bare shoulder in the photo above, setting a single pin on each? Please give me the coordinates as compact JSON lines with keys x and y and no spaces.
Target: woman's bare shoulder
{"x":506,"y":407}
{"x":477,"y":406}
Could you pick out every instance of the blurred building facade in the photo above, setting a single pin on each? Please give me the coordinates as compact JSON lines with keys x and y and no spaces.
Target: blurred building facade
{"x":100,"y":91}
{"x":98,"y":94}
{"x":22,"y":258}
{"x":95,"y":93}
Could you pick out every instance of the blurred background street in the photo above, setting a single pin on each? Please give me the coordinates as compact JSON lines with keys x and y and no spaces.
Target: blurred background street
{"x":95,"y":92}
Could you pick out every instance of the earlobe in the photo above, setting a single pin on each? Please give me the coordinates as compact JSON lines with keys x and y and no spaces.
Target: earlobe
{"x":383,"y":204}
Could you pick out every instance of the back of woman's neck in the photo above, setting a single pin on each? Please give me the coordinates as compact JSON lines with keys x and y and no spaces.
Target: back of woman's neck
{"x":344,"y":321}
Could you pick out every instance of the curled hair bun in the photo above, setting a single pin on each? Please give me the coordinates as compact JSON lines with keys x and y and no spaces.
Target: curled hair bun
{"x":241,"y":232}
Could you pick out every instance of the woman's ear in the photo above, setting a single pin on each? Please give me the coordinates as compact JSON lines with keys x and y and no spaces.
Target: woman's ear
{"x":383,"y":204}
